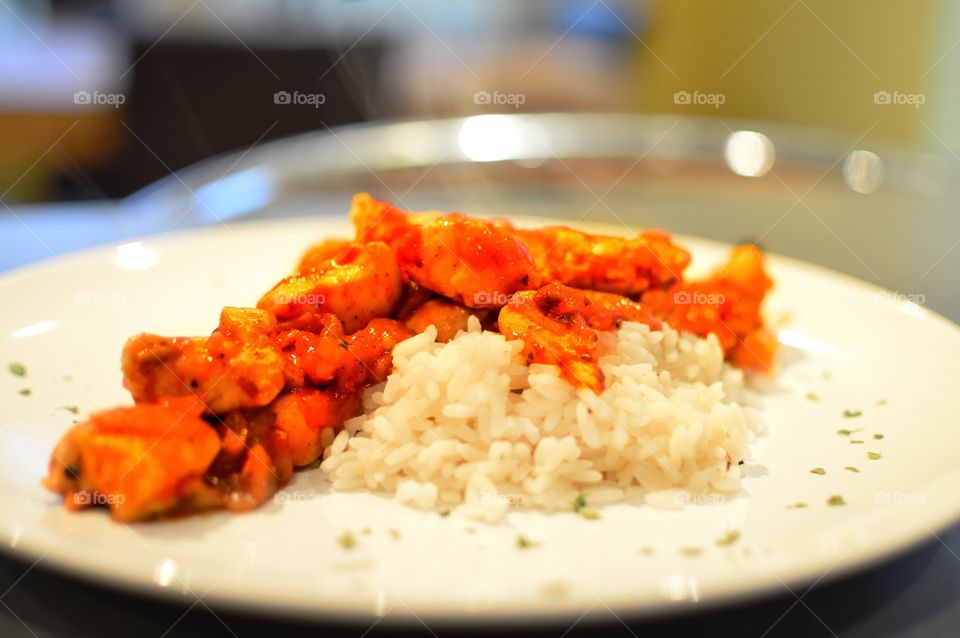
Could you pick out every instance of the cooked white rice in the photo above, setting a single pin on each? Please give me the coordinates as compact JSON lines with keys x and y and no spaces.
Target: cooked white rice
{"x":467,"y":425}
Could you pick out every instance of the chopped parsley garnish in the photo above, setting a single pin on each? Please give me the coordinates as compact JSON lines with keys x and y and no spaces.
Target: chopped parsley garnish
{"x":580,"y":507}
{"x":445,"y":512}
{"x":818,"y":470}
{"x":849,"y":414}
{"x":836,"y":500}
{"x":813,"y":396}
{"x":17,"y":369}
{"x":525,"y":543}
{"x":851,"y":468}
{"x":856,"y":442}
{"x":580,"y":502}
{"x":878,"y":436}
{"x":347,"y":541}
{"x":882,"y":402}
{"x":796,"y":506}
{"x":843,"y":432}
{"x":72,"y":409}
{"x":24,"y":392}
{"x":874,"y":456}
{"x":690,"y":552}
{"x":729,"y":538}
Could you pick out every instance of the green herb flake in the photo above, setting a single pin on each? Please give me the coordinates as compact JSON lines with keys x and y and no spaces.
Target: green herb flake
{"x":24,"y":392}
{"x":580,"y":502}
{"x":589,"y":513}
{"x":874,"y":456}
{"x":818,"y":470}
{"x":690,"y":552}
{"x":882,"y":402}
{"x":856,"y":442}
{"x":844,"y":432}
{"x":836,"y":501}
{"x":878,"y":437}
{"x":850,"y":414}
{"x":851,"y":468}
{"x":17,"y":369}
{"x":445,"y":512}
{"x":347,"y":541}
{"x":729,"y":538}
{"x":72,"y":409}
{"x":797,"y":506}
{"x":812,"y":396}
{"x":525,"y":543}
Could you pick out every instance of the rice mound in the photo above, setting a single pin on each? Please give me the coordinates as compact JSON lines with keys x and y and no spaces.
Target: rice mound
{"x":468,"y":425}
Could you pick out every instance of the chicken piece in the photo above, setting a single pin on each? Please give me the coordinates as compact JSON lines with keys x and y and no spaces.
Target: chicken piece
{"x":476,"y":262}
{"x":238,"y":366}
{"x":362,"y":283}
{"x":471,"y":261}
{"x":728,"y":304}
{"x":291,"y":428}
{"x":372,"y":347}
{"x":320,"y":354}
{"x":320,"y":255}
{"x":376,"y":220}
{"x":139,"y":461}
{"x":598,"y":262}
{"x":558,"y":326}
{"x":447,"y":317}
{"x":413,"y":297}
{"x":480,"y":263}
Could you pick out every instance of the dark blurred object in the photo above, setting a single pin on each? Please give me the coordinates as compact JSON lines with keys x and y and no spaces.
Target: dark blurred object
{"x":192,"y":100}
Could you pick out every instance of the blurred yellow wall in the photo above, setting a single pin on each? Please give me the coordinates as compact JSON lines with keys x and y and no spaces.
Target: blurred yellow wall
{"x":811,"y":62}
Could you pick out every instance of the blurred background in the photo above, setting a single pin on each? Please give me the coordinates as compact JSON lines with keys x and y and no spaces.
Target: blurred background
{"x":823,"y":130}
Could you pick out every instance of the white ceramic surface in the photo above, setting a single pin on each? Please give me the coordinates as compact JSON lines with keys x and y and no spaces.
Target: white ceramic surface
{"x":849,"y":343}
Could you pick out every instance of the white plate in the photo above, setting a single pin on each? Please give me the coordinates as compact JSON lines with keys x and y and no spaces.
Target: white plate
{"x":850,"y":343}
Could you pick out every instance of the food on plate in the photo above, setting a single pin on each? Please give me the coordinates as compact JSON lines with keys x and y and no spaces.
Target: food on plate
{"x":469,"y":425}
{"x":449,"y":360}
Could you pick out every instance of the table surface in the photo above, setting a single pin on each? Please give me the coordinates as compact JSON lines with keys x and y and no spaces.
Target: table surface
{"x":913,"y":595}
